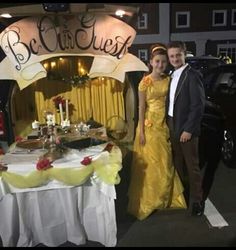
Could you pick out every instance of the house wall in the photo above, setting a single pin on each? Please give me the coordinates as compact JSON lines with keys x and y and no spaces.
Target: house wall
{"x":201,"y":37}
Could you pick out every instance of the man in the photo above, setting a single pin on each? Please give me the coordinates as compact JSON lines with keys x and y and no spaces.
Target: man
{"x":185,"y":106}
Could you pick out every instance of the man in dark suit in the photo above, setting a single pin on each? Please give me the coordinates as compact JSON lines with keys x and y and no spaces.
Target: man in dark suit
{"x":184,"y":107}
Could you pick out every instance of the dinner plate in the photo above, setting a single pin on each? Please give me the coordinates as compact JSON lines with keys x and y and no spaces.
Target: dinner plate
{"x":30,"y":144}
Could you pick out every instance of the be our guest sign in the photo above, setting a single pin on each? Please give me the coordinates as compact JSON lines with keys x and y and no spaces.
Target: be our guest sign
{"x":28,"y":41}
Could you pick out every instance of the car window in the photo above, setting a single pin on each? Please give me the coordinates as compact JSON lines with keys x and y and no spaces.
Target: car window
{"x":213,"y":63}
{"x":203,"y":65}
{"x":226,"y":83}
{"x":223,"y":78}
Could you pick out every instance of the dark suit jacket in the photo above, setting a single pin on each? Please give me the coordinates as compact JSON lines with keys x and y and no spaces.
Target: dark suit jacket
{"x":189,"y":103}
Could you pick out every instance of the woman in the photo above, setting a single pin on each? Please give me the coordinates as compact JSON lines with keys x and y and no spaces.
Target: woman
{"x":154,"y":181}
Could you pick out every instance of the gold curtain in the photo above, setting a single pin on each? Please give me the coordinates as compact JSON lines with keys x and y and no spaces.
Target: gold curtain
{"x":100,"y":98}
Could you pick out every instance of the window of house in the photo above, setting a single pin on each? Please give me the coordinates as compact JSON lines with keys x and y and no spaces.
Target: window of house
{"x":142,"y":21}
{"x":219,"y":17}
{"x":143,"y":55}
{"x":182,"y":19}
{"x":233,"y":22}
{"x":227,"y":50}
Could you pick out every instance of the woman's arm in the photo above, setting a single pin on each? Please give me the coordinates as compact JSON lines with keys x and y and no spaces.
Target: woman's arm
{"x":142,"y":108}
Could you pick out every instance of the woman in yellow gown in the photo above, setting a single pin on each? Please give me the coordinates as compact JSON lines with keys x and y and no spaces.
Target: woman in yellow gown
{"x":154,"y":182}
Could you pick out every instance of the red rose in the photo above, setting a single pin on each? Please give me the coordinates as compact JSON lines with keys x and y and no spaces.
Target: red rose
{"x":86,"y":161}
{"x":43,"y":164}
{"x":59,"y":99}
{"x":108,"y":147}
{"x":18,"y":138}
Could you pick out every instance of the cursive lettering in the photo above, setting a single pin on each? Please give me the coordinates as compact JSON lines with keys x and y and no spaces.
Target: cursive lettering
{"x":84,"y":38}
{"x":47,"y":34}
{"x":52,"y":37}
{"x":19,"y":50}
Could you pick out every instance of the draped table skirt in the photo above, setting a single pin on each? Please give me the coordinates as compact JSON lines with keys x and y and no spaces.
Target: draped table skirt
{"x":55,"y":216}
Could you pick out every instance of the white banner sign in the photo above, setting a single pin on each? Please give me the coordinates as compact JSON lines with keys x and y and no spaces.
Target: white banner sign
{"x":28,"y":41}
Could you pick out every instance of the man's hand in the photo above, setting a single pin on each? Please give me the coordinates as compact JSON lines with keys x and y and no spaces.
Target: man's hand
{"x":185,"y":136}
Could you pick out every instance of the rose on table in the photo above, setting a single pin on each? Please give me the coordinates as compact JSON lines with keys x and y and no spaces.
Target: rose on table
{"x":43,"y":164}
{"x":86,"y":161}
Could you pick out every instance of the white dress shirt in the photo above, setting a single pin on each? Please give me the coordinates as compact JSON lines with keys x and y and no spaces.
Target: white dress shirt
{"x":173,"y":86}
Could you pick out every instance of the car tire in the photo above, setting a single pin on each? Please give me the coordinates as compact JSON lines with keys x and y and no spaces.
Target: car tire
{"x":229,"y":149}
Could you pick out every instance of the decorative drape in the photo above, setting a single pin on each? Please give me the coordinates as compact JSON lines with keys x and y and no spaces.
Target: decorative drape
{"x":106,"y":168}
{"x":100,"y":98}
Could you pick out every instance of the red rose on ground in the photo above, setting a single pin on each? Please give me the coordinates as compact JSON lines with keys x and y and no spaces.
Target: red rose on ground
{"x":86,"y":161}
{"x":43,"y":164}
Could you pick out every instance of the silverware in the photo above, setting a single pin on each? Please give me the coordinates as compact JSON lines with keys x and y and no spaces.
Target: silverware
{"x":22,"y":151}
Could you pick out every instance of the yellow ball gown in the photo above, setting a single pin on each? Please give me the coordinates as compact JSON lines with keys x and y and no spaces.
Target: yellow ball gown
{"x":154,"y":182}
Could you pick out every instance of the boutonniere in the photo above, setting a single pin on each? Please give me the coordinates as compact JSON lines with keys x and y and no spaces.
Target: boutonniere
{"x":86,"y":161}
{"x":43,"y":164}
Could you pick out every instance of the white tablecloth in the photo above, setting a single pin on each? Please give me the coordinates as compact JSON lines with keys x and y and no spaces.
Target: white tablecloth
{"x":54,"y":214}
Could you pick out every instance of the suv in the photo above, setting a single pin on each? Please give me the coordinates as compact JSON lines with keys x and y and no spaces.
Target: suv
{"x":204,"y":63}
{"x":220,"y":86}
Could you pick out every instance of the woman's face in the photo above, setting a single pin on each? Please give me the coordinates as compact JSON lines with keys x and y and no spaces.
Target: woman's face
{"x":159,"y":63}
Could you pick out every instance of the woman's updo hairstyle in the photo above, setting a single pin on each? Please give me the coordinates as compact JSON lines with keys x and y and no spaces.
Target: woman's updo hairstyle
{"x":158,"y":49}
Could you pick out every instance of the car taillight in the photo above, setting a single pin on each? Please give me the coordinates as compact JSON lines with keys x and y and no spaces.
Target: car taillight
{"x":2,"y":125}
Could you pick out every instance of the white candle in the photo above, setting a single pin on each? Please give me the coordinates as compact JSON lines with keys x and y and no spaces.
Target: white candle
{"x":53,"y":120}
{"x":67,"y":110}
{"x":61,"y":112}
{"x":65,"y":123}
{"x":35,"y":124}
{"x":50,"y":120}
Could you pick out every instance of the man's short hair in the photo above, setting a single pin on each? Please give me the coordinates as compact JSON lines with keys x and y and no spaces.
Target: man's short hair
{"x":177,"y":44}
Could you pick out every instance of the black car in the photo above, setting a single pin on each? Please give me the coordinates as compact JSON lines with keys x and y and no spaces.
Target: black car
{"x":201,"y":63}
{"x":204,"y":63}
{"x":220,"y":86}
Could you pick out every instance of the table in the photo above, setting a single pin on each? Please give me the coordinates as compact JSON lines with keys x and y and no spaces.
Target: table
{"x":54,"y":213}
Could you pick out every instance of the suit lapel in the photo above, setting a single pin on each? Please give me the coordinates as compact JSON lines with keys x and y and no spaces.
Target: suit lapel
{"x":181,"y":82}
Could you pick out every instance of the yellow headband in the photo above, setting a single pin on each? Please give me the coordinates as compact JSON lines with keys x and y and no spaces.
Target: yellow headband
{"x":158,"y":47}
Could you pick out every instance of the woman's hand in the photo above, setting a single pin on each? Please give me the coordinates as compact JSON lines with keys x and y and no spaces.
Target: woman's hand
{"x":142,"y":139}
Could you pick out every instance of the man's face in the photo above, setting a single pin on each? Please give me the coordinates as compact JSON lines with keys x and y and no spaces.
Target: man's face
{"x":176,"y":57}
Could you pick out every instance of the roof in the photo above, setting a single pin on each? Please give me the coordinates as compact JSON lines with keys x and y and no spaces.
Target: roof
{"x":203,"y":58}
